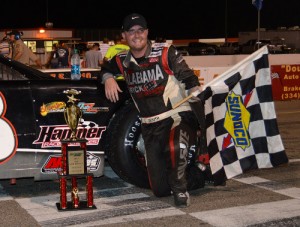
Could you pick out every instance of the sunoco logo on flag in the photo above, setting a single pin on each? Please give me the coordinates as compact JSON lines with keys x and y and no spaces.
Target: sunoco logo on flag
{"x":237,"y":120}
{"x":241,"y":125}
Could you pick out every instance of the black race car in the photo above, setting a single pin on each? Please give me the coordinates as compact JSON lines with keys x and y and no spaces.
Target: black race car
{"x":32,"y":124}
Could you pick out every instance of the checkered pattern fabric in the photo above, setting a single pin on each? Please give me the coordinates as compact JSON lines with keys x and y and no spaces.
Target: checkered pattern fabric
{"x":242,"y":130}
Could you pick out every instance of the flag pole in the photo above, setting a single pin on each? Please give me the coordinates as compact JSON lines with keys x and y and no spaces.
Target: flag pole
{"x":258,"y":28}
{"x":258,"y":5}
{"x":194,"y":94}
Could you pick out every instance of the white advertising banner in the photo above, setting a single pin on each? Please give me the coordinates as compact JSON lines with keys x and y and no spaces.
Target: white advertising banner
{"x":206,"y":74}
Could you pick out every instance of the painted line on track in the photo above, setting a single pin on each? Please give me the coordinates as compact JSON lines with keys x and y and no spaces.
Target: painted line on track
{"x":125,"y":204}
{"x":251,"y":214}
{"x":256,"y":213}
{"x":113,"y":209}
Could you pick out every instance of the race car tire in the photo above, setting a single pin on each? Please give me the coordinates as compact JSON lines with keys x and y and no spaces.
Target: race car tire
{"x":126,"y":156}
{"x":122,"y":147}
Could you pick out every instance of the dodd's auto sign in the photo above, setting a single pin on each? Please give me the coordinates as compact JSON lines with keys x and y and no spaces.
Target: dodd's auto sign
{"x":285,"y":82}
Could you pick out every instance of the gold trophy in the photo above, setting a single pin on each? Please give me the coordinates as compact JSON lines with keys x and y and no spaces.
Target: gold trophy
{"x":74,"y":160}
{"x":72,"y":112}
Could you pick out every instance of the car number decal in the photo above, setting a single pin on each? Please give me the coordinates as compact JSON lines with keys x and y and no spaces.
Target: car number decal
{"x":8,"y":135}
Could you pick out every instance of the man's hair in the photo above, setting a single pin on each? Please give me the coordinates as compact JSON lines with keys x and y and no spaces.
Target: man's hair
{"x":105,"y":40}
{"x":118,"y":39}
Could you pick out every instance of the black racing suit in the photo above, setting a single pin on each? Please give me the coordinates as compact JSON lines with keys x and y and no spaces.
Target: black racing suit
{"x":156,"y":83}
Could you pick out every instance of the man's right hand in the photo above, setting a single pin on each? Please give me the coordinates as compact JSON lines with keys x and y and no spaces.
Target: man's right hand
{"x":112,"y":90}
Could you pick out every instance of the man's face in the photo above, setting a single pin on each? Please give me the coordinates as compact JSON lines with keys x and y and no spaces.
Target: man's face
{"x":136,"y":37}
{"x":11,"y":38}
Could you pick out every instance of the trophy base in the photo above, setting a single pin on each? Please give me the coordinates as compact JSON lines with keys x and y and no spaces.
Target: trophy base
{"x":82,"y":206}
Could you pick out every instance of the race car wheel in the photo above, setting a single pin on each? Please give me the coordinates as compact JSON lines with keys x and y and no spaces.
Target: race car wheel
{"x":124,"y":147}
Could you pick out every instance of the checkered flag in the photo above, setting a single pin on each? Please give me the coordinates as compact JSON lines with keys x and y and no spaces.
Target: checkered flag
{"x":242,"y":130}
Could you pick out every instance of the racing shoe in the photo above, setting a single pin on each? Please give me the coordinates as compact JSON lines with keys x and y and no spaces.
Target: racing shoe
{"x":208,"y":178}
{"x":195,"y":178}
{"x":182,"y":200}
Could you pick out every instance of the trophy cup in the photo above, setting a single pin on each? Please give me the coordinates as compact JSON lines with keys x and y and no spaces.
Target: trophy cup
{"x":74,"y":159}
{"x":72,"y":112}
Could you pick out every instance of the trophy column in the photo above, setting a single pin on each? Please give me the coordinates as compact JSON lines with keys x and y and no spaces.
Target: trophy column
{"x":63,"y":193}
{"x":89,"y":191}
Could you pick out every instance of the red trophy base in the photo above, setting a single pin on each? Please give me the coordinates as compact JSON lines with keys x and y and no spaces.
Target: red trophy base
{"x":83,"y":206}
{"x":73,"y":167}
{"x":75,"y":203}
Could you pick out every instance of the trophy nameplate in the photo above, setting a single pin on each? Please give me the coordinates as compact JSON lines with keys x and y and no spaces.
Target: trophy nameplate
{"x":76,"y":161}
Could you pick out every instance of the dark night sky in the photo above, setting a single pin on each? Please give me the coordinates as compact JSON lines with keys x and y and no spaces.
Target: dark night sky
{"x":191,"y":19}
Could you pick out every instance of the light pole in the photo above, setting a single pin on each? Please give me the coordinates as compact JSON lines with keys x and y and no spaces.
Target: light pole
{"x":258,"y":5}
{"x":226,"y":15}
{"x":48,"y":24}
{"x":258,"y":28}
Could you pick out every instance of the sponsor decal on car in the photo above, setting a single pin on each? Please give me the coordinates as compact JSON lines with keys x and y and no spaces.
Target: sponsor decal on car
{"x":90,"y":108}
{"x":58,"y":106}
{"x":52,"y":107}
{"x":51,"y":135}
{"x":66,"y":75}
{"x":53,"y":163}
